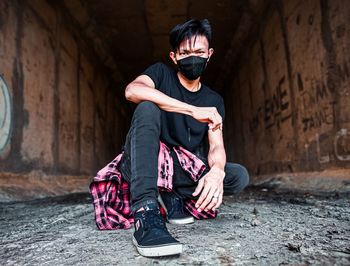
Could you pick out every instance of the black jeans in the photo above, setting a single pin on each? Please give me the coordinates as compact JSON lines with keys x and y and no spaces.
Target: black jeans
{"x":139,"y":165}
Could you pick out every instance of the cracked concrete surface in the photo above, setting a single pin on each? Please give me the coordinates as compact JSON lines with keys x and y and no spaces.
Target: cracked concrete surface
{"x":258,"y":227}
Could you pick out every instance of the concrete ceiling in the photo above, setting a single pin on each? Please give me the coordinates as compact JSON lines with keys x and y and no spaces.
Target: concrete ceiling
{"x":135,"y":32}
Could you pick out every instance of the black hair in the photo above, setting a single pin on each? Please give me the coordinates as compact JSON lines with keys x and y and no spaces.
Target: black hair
{"x":189,"y":29}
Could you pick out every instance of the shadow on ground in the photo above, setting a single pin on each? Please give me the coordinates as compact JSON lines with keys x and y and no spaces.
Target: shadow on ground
{"x":258,"y":227}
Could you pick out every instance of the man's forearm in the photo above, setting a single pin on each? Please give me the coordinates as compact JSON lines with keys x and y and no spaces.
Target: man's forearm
{"x":217,"y":157}
{"x":139,"y":92}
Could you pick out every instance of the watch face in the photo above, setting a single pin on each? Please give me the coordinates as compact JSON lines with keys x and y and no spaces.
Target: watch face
{"x":5,"y":115}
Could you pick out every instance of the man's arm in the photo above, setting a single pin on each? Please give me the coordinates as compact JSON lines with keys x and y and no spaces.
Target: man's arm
{"x":211,"y":185}
{"x":217,"y":154}
{"x":143,"y":89}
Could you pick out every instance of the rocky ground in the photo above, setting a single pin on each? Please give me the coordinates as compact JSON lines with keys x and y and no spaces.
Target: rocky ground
{"x":258,"y":227}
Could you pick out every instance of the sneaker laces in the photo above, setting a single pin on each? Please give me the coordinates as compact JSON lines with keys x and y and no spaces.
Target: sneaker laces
{"x":152,"y":218}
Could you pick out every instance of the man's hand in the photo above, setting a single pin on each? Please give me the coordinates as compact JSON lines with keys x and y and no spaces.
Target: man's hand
{"x":208,"y":115}
{"x":212,"y":186}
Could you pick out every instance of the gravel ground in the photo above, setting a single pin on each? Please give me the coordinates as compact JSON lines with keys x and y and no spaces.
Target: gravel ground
{"x":258,"y":227}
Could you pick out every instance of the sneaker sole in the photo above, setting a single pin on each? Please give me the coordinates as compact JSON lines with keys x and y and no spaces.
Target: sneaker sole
{"x":158,"y":251}
{"x":188,"y":220}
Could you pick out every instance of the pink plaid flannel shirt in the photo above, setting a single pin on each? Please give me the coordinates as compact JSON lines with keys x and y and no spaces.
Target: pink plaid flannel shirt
{"x":111,"y":194}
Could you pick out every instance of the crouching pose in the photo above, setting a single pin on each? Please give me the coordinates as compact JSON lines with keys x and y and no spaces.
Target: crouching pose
{"x":163,"y":163}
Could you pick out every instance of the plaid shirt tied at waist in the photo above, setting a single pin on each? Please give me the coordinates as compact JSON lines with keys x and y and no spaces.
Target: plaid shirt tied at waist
{"x":111,"y":193}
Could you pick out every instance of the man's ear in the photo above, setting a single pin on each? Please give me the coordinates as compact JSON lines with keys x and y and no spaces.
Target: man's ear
{"x":172,"y":56}
{"x":211,"y":51}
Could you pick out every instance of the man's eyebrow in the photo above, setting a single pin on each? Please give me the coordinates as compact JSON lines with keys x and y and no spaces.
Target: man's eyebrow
{"x":196,"y":50}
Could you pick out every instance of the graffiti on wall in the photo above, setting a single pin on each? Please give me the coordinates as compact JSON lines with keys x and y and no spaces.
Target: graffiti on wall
{"x":340,"y":147}
{"x":5,"y":114}
{"x":317,"y":105}
{"x":275,"y":109}
{"x":317,"y":101}
{"x":311,"y":100}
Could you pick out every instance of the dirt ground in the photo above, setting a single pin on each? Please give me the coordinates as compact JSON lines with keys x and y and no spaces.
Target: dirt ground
{"x":258,"y":227}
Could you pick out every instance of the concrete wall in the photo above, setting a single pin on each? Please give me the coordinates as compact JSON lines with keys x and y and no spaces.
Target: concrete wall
{"x":63,"y":114}
{"x":290,"y":93}
{"x":66,"y":118}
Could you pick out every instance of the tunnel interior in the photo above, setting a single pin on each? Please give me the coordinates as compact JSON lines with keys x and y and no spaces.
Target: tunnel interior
{"x":281,"y":66}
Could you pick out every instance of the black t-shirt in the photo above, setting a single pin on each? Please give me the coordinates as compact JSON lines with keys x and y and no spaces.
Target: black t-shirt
{"x":176,"y":128}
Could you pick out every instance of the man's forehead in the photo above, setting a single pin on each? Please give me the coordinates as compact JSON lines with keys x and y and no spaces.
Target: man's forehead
{"x":196,"y":42}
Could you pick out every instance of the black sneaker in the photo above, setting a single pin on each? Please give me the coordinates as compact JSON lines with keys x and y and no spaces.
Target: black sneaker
{"x":174,"y":207}
{"x":151,"y":236}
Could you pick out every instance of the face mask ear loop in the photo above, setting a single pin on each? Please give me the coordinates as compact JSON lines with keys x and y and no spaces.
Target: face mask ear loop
{"x":208,"y":59}
{"x":177,"y":63}
{"x":206,"y":64}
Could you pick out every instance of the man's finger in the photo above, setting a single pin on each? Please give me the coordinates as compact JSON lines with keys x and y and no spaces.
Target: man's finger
{"x":202,"y":197}
{"x":218,"y":203}
{"x":213,"y":202}
{"x":214,"y":128}
{"x":198,"y":188}
{"x":218,"y":126}
{"x":207,"y":199}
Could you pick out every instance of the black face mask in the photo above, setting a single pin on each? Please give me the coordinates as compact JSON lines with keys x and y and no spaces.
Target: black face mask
{"x":192,"y":67}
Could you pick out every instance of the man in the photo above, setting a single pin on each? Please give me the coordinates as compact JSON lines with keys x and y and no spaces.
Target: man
{"x":176,"y":108}
{"x":176,"y":113}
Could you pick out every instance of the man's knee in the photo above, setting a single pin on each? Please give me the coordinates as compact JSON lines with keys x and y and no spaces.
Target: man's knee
{"x":244,"y":177}
{"x":147,"y":110}
{"x":237,"y":178}
{"x":147,"y":106}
